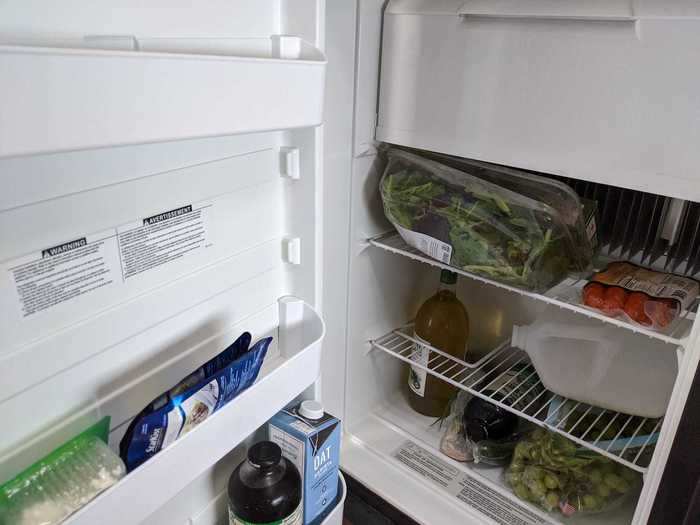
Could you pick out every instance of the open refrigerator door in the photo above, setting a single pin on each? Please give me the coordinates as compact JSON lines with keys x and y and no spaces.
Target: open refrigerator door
{"x":160,"y":167}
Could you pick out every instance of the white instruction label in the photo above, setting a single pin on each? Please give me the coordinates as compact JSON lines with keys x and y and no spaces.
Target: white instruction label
{"x":162,"y":238}
{"x":104,"y":261}
{"x":64,"y":272}
{"x":417,"y":376}
{"x":464,"y":487}
{"x":428,"y":245}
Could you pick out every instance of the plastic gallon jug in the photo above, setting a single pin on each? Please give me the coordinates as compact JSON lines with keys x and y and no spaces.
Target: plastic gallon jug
{"x":603,"y":365}
{"x":265,"y":489}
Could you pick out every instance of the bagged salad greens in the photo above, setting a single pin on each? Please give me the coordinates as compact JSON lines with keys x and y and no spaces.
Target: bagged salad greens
{"x":553,"y":473}
{"x":525,"y":231}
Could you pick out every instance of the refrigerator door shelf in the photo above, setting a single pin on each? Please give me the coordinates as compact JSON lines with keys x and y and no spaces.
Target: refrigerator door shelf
{"x":283,"y":377}
{"x":57,"y":99}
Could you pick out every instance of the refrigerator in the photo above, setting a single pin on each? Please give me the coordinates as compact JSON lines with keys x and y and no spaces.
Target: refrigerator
{"x":174,"y":173}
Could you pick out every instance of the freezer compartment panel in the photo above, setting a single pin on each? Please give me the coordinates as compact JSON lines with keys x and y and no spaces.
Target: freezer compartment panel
{"x":597,"y":91}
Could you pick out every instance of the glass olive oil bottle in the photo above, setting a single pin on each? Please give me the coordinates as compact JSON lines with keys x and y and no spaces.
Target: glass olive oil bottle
{"x":443,"y":323}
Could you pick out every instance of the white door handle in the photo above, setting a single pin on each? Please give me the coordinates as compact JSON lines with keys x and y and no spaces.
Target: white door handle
{"x":588,"y":10}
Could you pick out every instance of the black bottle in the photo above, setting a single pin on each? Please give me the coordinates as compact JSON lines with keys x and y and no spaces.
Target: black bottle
{"x":266,"y":488}
{"x":484,"y":420}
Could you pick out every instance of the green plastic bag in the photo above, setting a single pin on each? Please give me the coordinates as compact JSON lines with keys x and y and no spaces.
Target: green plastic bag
{"x":63,"y":481}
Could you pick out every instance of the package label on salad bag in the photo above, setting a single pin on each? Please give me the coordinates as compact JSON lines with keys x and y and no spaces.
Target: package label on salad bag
{"x":428,"y":245}
{"x":417,"y":375}
{"x":656,"y":284}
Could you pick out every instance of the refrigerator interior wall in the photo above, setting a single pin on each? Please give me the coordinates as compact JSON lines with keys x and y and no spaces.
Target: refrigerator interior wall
{"x":143,"y":323}
{"x":385,"y":289}
{"x":385,"y":293}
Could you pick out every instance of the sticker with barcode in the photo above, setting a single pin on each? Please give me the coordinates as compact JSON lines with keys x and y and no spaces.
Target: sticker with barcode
{"x":466,"y":488}
{"x":428,"y":245}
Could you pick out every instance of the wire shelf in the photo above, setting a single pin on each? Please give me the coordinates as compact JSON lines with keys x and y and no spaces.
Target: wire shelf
{"x":507,"y":378}
{"x":566,"y":294}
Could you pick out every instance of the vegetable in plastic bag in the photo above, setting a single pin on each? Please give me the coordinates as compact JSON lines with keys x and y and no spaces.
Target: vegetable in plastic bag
{"x":478,"y":226}
{"x":549,"y":471}
{"x":454,"y":443}
{"x":640,"y":296}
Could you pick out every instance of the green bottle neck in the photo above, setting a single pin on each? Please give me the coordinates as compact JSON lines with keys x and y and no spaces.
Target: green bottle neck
{"x":448,"y":281}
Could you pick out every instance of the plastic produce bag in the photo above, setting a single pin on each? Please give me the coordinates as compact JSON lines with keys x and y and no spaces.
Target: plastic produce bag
{"x":62,"y":482}
{"x":550,"y":471}
{"x":454,"y":443}
{"x":561,"y":197}
{"x":481,"y":227}
{"x":640,"y":296}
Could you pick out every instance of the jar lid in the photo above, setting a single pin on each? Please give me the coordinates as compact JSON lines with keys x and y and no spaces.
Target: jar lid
{"x":311,"y":409}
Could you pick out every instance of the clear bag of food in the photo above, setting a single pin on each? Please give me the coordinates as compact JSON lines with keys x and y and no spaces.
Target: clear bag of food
{"x":454,"y":442}
{"x":484,"y":228}
{"x":62,"y":482}
{"x":551,"y":472}
{"x":640,"y":296}
{"x":554,"y":193}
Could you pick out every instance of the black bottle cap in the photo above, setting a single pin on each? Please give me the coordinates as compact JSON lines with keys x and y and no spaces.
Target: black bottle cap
{"x":265,"y":454}
{"x":477,"y":430}
{"x":448,"y":277}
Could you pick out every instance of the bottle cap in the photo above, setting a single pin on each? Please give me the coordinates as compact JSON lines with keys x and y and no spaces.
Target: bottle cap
{"x":265,"y":454}
{"x":448,"y":277}
{"x":311,"y":410}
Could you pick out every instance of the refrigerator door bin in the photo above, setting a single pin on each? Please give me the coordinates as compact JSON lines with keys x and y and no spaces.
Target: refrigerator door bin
{"x":287,"y":371}
{"x":57,"y":99}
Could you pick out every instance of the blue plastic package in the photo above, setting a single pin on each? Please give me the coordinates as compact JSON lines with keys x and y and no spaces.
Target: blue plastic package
{"x":192,"y":400}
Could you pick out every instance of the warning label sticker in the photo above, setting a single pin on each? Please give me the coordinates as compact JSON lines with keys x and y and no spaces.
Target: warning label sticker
{"x":162,"y":238}
{"x":107,"y":260}
{"x":464,"y":487}
{"x":66,"y":271}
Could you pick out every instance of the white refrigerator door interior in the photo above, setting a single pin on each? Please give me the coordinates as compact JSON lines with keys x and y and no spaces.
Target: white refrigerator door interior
{"x":123,"y":269}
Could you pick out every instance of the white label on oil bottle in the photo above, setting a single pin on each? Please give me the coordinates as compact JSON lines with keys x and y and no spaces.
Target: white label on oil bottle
{"x":417,"y":375}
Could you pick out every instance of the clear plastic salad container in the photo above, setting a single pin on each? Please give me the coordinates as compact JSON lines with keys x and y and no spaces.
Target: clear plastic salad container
{"x":61,"y":483}
{"x":471,"y":223}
